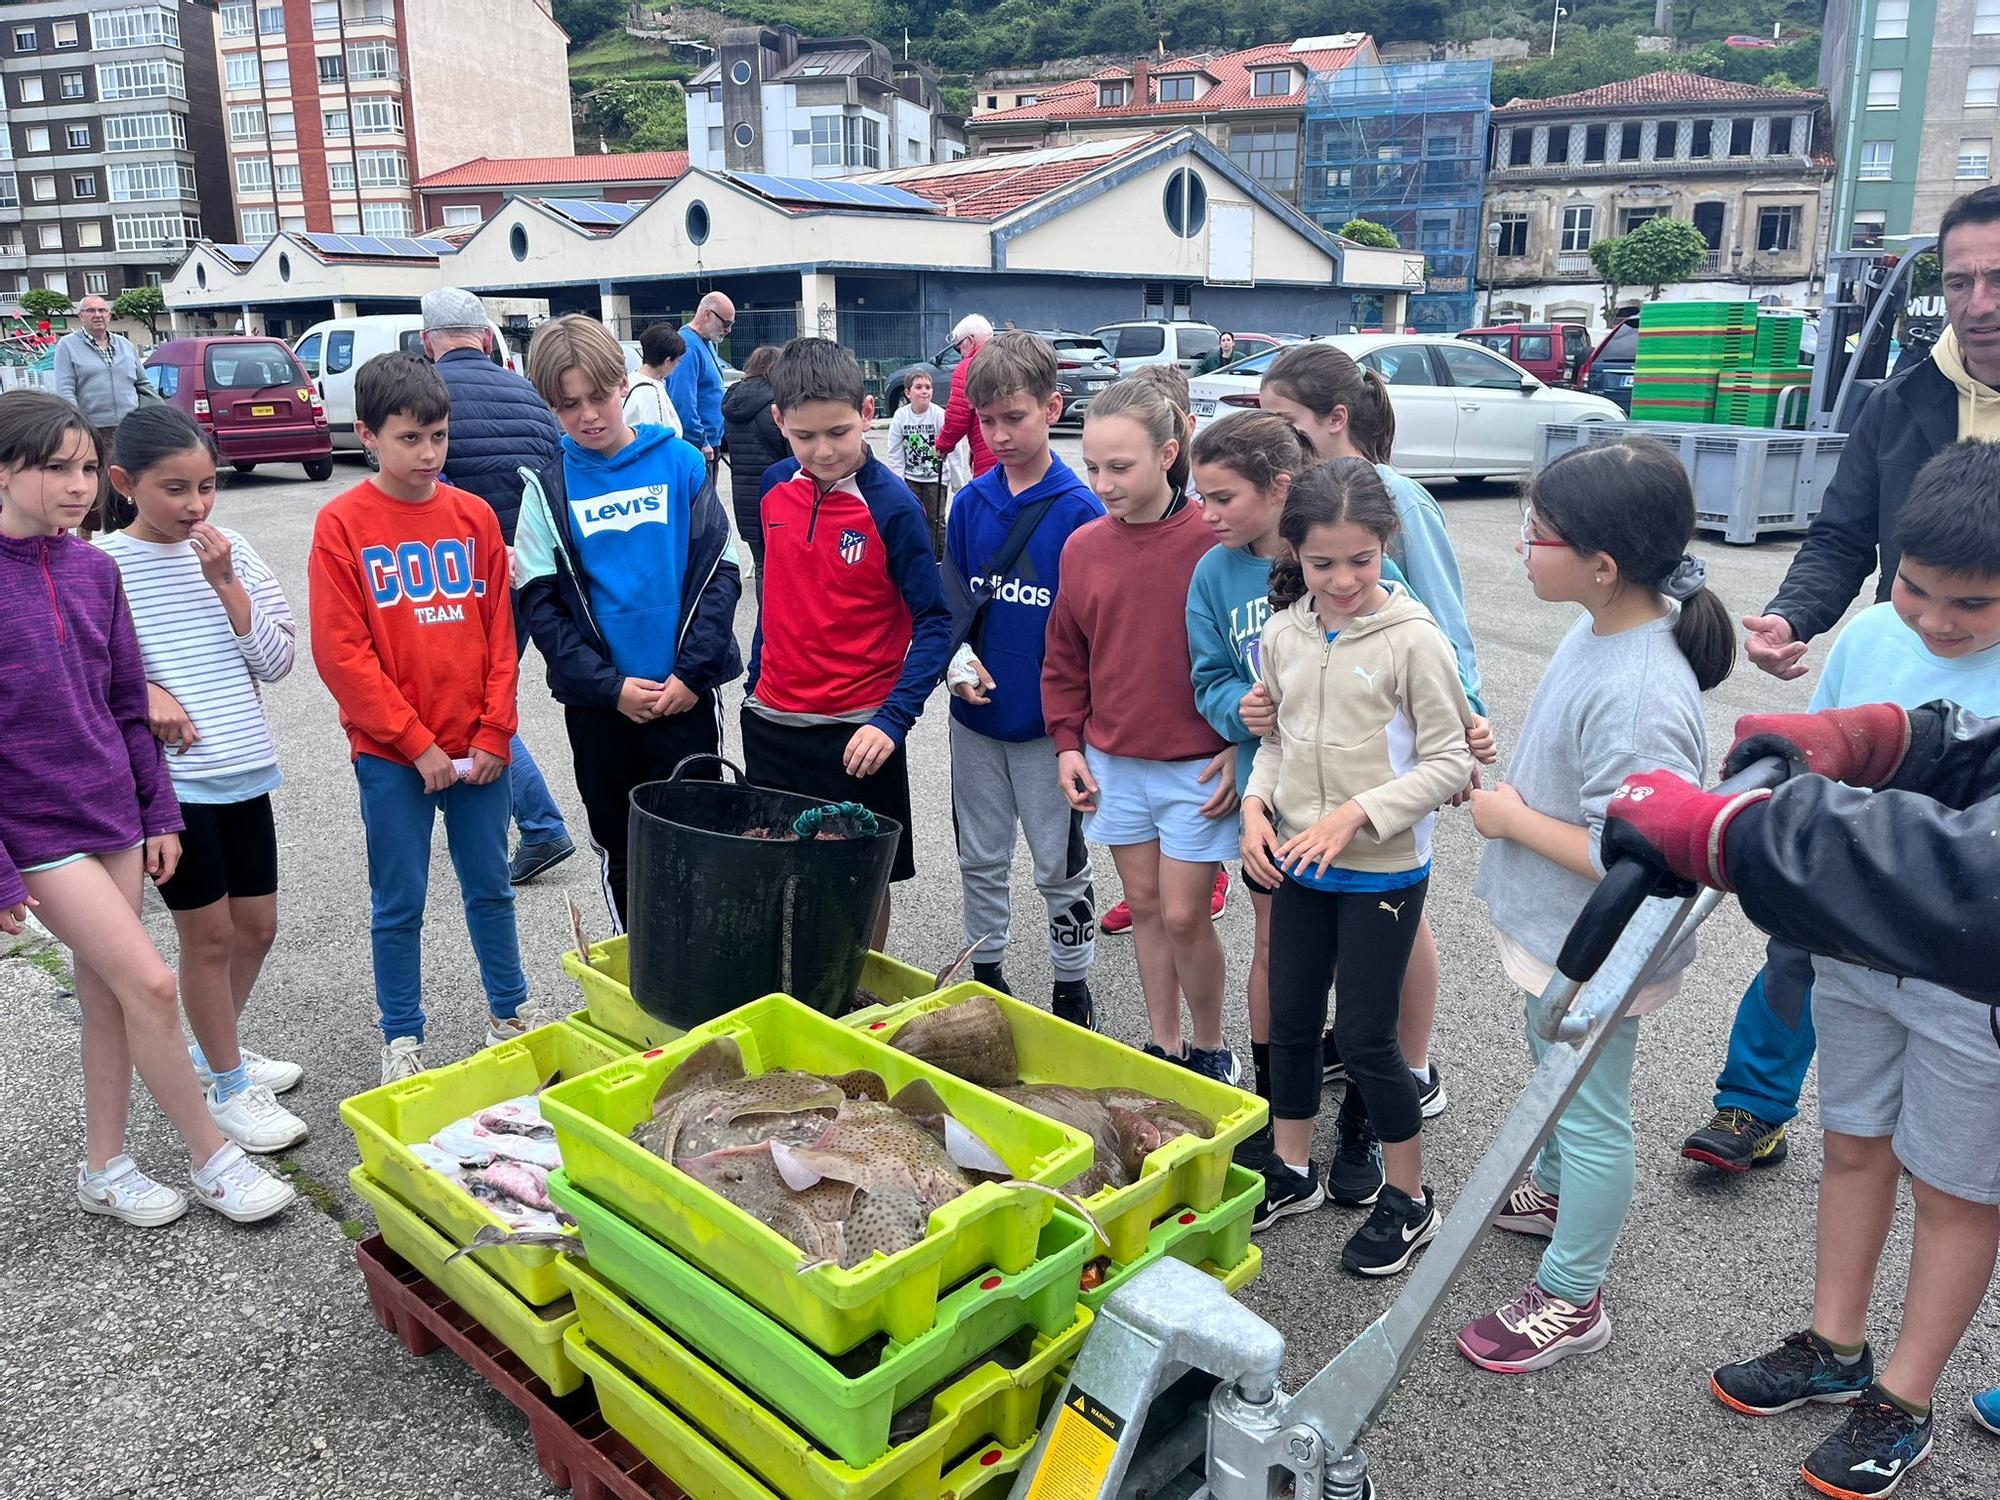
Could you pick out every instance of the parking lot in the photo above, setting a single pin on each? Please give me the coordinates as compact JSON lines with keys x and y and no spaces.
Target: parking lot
{"x":208,"y":1360}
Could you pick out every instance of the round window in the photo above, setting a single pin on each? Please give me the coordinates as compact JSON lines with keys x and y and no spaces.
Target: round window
{"x":739,"y":71}
{"x":1185,"y":202}
{"x":201,"y":277}
{"x":284,"y":267}
{"x":697,"y":223}
{"x":744,"y":134}
{"x":517,"y":241}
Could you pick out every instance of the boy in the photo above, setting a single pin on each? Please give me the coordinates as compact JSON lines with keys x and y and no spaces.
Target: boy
{"x":852,"y":633}
{"x":1003,"y":763}
{"x":1909,"y":1073}
{"x":628,"y":584}
{"x":913,"y":455}
{"x":413,"y":634}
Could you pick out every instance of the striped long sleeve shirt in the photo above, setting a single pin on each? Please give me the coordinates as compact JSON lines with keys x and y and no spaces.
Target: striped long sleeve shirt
{"x":192,"y":651}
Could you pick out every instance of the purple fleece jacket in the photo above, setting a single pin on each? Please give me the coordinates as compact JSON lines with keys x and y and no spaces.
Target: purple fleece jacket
{"x":80,"y":773}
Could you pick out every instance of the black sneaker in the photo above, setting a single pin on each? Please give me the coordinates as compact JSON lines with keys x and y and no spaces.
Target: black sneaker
{"x":1218,"y":1063}
{"x":1331,"y":1068}
{"x":1803,"y":1368}
{"x":1431,"y":1097}
{"x":1872,"y":1453}
{"x":1287,"y":1192}
{"x":1072,"y":1003}
{"x":1258,"y":1152}
{"x":531,"y":860}
{"x":1736,"y":1140}
{"x":993,"y":976}
{"x":1354,"y":1175}
{"x":1397,"y":1229}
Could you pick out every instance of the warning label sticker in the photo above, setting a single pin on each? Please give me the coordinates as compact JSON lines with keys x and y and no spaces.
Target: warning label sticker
{"x":1081,"y":1446}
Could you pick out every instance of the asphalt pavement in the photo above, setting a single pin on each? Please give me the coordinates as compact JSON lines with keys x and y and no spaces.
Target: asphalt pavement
{"x":210,"y":1360}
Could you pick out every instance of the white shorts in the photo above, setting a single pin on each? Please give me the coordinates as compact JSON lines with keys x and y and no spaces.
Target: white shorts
{"x":1142,"y":800}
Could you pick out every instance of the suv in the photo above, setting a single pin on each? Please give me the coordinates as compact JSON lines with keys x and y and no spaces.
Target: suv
{"x":251,"y":395}
{"x":1609,"y":370}
{"x":1136,"y":345}
{"x":1082,"y":370}
{"x":1550,"y":352}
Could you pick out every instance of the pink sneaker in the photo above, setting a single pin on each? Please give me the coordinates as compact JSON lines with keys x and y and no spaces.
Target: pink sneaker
{"x":1534,"y":1331}
{"x":1221,"y":897}
{"x":1117,"y":922}
{"x":1528,"y":1210}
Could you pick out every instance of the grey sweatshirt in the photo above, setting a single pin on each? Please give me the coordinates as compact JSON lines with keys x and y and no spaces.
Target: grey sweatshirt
{"x":1608,"y":706}
{"x":106,"y":393}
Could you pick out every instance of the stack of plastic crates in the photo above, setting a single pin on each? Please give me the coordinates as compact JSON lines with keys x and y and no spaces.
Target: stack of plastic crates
{"x":1684,"y":347}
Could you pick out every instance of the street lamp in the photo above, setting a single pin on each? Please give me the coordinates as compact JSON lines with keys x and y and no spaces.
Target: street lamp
{"x":1554,"y":21}
{"x":1492,"y":263}
{"x":1737,"y":262}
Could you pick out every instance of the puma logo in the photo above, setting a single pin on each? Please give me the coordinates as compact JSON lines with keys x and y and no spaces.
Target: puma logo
{"x":1395,"y":911}
{"x":1367,"y":676}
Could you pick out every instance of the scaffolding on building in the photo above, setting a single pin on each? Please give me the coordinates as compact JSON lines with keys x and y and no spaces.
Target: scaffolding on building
{"x":1405,"y":147}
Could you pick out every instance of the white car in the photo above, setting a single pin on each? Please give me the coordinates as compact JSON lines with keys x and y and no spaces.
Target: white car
{"x":1462,"y":412}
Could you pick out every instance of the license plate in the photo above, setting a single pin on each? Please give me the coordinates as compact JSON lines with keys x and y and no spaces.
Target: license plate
{"x":263,"y":411}
{"x":1203,"y":408}
{"x":1625,"y":382}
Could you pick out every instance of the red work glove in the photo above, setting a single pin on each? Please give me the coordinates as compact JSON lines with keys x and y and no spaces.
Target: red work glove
{"x":1860,"y":746}
{"x":1667,"y":821}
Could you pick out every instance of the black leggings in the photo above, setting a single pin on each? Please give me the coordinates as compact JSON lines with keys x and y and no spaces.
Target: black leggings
{"x":1365,"y":937}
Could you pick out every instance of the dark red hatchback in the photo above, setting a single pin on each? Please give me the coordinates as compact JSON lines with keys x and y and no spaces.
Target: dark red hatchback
{"x":252,"y":395}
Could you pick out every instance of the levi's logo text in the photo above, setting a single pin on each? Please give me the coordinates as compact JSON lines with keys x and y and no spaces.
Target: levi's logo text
{"x":852,"y":545}
{"x":435,"y":578}
{"x":620,"y":510}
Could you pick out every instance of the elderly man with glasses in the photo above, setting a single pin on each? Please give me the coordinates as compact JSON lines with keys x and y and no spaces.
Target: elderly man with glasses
{"x":99,"y":372}
{"x":695,"y":387}
{"x":972,"y":333}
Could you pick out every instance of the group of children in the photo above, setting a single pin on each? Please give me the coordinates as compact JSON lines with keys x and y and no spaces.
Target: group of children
{"x":1244,"y":643}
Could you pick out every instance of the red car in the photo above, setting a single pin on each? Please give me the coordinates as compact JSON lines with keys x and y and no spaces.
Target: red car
{"x":1549,"y":351}
{"x":251,"y":395}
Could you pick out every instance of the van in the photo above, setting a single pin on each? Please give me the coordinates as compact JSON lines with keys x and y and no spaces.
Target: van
{"x":1551,"y":352}
{"x":251,"y":395}
{"x":332,"y":351}
{"x":1133,"y":346}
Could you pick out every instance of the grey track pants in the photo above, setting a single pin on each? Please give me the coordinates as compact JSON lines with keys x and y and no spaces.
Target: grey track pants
{"x":997,"y":787}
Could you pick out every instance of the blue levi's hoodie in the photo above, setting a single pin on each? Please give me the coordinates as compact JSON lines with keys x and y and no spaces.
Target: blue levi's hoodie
{"x":1012,"y":632}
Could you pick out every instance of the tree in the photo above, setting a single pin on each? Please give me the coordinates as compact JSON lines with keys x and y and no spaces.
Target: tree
{"x":586,"y":20}
{"x":43,"y":303}
{"x":1659,"y":251}
{"x":1607,"y":256}
{"x":1368,"y":232}
{"x":660,"y":125}
{"x":142,"y":304}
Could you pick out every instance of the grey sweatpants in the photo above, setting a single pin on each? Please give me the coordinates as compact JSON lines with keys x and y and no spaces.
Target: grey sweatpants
{"x":995,"y":788}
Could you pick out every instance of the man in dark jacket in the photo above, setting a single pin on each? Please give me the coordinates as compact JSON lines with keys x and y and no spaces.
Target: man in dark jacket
{"x":498,"y":427}
{"x":1912,"y":416}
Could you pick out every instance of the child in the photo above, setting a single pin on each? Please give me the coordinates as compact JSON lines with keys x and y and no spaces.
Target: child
{"x":1002,"y":759}
{"x":413,"y":634}
{"x":1607,"y":528}
{"x":1909,"y":1073}
{"x":89,"y":814}
{"x":628,"y":583}
{"x":647,"y":403}
{"x":1133,"y":751}
{"x":212,"y":625}
{"x":853,"y":632}
{"x":1344,"y":412}
{"x":1370,"y":740}
{"x":913,"y":453}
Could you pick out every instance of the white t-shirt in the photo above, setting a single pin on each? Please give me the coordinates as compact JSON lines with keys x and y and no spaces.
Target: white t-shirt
{"x":647,"y":401}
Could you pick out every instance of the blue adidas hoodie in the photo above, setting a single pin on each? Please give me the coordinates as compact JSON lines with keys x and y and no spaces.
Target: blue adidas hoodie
{"x":1013,"y":630}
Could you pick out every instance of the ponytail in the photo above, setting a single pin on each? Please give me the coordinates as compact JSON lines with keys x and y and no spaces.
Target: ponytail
{"x":1171,"y":381}
{"x":1707,"y":638}
{"x":1322,"y":378}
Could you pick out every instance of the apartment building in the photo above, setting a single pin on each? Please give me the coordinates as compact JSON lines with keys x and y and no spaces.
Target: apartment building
{"x":1915,"y":91}
{"x":110,"y":152}
{"x":334,"y":108}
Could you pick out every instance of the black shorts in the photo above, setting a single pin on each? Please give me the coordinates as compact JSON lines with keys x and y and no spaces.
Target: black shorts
{"x":1252,"y":884}
{"x":807,"y":759}
{"x":227,"y":849}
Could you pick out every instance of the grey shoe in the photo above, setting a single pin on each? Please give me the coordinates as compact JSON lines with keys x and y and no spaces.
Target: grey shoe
{"x":531,"y":860}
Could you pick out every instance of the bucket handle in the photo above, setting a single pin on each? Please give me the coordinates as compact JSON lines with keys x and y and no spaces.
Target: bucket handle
{"x":721,"y":760}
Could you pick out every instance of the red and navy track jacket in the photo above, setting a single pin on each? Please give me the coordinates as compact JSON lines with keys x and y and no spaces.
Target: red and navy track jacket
{"x":853,"y":620}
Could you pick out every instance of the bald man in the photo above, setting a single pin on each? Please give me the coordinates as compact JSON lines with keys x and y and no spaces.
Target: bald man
{"x":696,"y":385}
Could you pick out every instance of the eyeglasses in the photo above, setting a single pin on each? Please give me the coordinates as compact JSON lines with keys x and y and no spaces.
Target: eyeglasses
{"x":1528,"y":537}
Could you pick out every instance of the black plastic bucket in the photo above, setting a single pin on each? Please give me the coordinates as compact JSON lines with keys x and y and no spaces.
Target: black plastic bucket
{"x":718,"y":919}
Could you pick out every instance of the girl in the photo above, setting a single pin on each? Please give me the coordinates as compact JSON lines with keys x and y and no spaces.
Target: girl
{"x":1607,"y":528}
{"x":1344,"y":412}
{"x":1133,"y":752}
{"x":212,"y":625}
{"x":89,"y":813}
{"x":1370,"y":740}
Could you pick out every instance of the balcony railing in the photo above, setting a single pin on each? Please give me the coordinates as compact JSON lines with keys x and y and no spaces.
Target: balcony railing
{"x":1574,"y":263}
{"x":1712,"y":263}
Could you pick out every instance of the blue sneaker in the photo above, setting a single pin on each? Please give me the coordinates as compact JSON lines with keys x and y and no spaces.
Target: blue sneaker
{"x":1986,"y":1409}
{"x":1803,"y":1368}
{"x":1872,"y":1453}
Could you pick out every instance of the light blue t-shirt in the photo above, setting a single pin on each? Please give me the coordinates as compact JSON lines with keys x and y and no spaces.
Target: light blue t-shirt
{"x":1879,"y":659}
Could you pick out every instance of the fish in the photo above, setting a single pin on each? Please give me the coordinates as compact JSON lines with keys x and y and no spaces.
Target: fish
{"x":1144,"y":1124}
{"x":474,"y":1145}
{"x":708,"y":1103}
{"x":1080,"y":1109}
{"x":521,"y":1117}
{"x":813,"y":1220}
{"x":552,"y":1237}
{"x":969,"y":1040}
{"x":518,"y":1180}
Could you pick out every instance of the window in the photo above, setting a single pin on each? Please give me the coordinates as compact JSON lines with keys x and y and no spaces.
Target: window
{"x":382,"y":168}
{"x":1982,"y":88}
{"x":288,"y":179}
{"x":271,"y":20}
{"x":277,"y":75}
{"x":1593,"y":143}
{"x":1113,"y":95}
{"x":78,"y":137}
{"x":96,"y":283}
{"x":32,"y":91}
{"x":10,"y":190}
{"x":246,"y":122}
{"x":1776,"y":228}
{"x":308,"y":353}
{"x":1869,"y":229}
{"x":135,"y":26}
{"x":1270,"y":83}
{"x":38,"y":140}
{"x":1141,"y":339}
{"x":1407,"y":365}
{"x":347,"y":223}
{"x":1579,"y":219}
{"x":70,"y":86}
{"x":715,"y":140}
{"x":293,"y":223}
{"x":1513,"y":234}
{"x":1741,"y":133}
{"x":1986,"y":19}
{"x":89,"y":235}
{"x":238,"y":17}
{"x":24,"y":39}
{"x":339,"y":351}
{"x":1558,"y":144}
{"x":326,"y":15}
{"x":1975,"y":158}
{"x":1877,"y":158}
{"x":1630,"y":219}
{"x":1176,"y":90}
{"x":284,"y":125}
{"x":1885,"y":88}
{"x":379,"y":116}
{"x":1535,"y":347}
{"x":156,"y":231}
{"x":827,"y":141}
{"x":259,"y":224}
{"x":1781,"y":136}
{"x":65,"y":33}
{"x":1892,"y":19}
{"x":334,"y":124}
{"x":913,"y":149}
{"x":141,"y":80}
{"x":871,"y":143}
{"x":372,"y":62}
{"x":1270,"y":156}
{"x":1520,"y":147}
{"x":253,"y":174}
{"x":1631,"y":136}
{"x":51,"y":236}
{"x":1702,"y":145}
{"x":44,"y":189}
{"x":83,"y":185}
{"x":340,"y":176}
{"x":385,"y":218}
{"x":57,"y":281}
{"x":239,"y":71}
{"x":242,"y":366}
{"x":459,"y":214}
{"x":1185,"y":202}
{"x":332,"y":68}
{"x":167,"y":378}
{"x":1469,"y":366}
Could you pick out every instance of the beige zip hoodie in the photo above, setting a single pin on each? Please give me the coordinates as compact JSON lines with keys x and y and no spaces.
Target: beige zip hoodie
{"x":1978,"y":403}
{"x":1377,"y":716}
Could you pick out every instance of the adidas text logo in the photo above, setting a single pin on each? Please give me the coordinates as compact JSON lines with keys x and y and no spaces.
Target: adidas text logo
{"x":1013,"y":591}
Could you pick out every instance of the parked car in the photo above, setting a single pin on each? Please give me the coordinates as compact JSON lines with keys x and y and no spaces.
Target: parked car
{"x":1748,"y":41}
{"x":1551,"y":352}
{"x":1248,"y":344}
{"x":251,"y":395}
{"x":1462,"y":412}
{"x":332,"y":351}
{"x":1083,"y":368}
{"x":1609,"y":369}
{"x":1153,"y":342}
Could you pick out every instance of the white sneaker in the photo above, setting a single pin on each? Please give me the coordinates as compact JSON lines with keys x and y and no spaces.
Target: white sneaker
{"x":122,"y":1191}
{"x":239,"y":1189}
{"x":402,"y":1058}
{"x":256,"y":1121}
{"x":500,"y":1032}
{"x":278,"y":1077}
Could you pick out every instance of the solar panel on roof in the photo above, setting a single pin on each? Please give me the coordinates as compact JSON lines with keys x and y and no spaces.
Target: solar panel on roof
{"x":242,"y":255}
{"x":378,"y":247}
{"x":832,"y":194}
{"x":592,"y":211}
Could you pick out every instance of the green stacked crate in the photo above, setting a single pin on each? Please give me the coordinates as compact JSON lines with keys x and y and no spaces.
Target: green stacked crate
{"x":1673,"y":397}
{"x":1778,"y":338}
{"x":1755,"y":398}
{"x":1684,"y":347}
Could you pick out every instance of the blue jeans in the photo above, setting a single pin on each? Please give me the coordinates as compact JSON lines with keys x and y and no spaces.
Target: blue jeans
{"x":397,"y":815}
{"x":1771,"y":1042}
{"x":535,"y":811}
{"x":1588,"y":1163}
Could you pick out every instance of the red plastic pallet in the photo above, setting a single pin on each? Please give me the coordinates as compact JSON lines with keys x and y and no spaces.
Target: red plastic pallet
{"x":574,"y":1447}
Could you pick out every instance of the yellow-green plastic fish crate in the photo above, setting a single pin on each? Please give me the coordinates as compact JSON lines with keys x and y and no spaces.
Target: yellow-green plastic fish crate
{"x":834,"y":1309}
{"x":1219,"y":1237}
{"x":659,"y":1392}
{"x":533,"y":1334}
{"x":1187,"y":1172}
{"x":597,"y":1036}
{"x":387,"y":1121}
